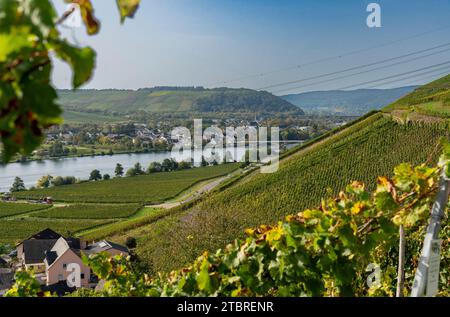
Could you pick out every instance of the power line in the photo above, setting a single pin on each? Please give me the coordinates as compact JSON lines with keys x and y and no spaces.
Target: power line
{"x":353,"y":68}
{"x":397,"y":75}
{"x":349,"y":53}
{"x":416,"y":78}
{"x":362,"y":72}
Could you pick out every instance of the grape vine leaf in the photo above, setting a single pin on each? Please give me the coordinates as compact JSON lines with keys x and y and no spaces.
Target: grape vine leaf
{"x":82,"y":61}
{"x":28,"y":36}
{"x":127,"y":8}
{"x":87,"y":14}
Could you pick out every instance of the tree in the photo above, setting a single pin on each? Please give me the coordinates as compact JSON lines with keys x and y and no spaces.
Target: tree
{"x":60,"y":181}
{"x":131,"y":172}
{"x":44,"y":181}
{"x":27,"y":97}
{"x":95,"y":176}
{"x":73,"y":150}
{"x":154,"y":167}
{"x":17,"y":185}
{"x":57,"y":181}
{"x":119,"y":170}
{"x":138,"y":169}
{"x":106,"y":177}
{"x":204,"y":162}
{"x":174,"y":164}
{"x":131,"y":243}
{"x":184,"y":165}
{"x":169,"y":165}
{"x":5,"y":248}
{"x":56,"y":149}
{"x":69,"y":180}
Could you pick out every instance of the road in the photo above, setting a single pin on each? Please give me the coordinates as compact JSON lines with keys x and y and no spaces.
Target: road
{"x":193,"y":195}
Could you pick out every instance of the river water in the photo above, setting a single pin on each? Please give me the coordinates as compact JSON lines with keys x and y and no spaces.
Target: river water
{"x":81,"y":167}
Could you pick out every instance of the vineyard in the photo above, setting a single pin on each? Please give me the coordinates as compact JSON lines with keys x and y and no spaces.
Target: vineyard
{"x":123,"y":226}
{"x":93,"y":213}
{"x":13,"y":209}
{"x":12,"y":231}
{"x":432,"y":99}
{"x":435,"y":108}
{"x":90,"y":211}
{"x":369,"y":148}
{"x":323,"y":251}
{"x":152,"y":188}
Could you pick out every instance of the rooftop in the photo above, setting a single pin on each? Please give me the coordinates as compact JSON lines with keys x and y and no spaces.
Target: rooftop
{"x":105,"y":245}
{"x":35,"y":250}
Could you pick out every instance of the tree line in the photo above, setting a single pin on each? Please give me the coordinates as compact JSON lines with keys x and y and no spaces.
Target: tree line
{"x":167,"y":165}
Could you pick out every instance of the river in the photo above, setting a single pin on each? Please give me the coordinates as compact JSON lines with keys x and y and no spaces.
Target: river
{"x":81,"y":167}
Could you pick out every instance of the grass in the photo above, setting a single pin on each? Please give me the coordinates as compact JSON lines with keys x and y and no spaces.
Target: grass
{"x":90,"y":211}
{"x":13,"y":231}
{"x":434,"y":108}
{"x":149,"y":189}
{"x":143,"y":217}
{"x":432,"y":99}
{"x":370,"y":148}
{"x":13,"y":208}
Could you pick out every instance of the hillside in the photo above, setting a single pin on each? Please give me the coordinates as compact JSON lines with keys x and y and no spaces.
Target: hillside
{"x":151,"y":188}
{"x":173,"y":100}
{"x":369,"y":148}
{"x":85,"y":206}
{"x":432,"y":99}
{"x":354,"y":102}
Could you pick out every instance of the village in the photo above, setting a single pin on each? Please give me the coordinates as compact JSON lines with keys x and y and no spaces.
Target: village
{"x":51,"y":257}
{"x":103,"y":139}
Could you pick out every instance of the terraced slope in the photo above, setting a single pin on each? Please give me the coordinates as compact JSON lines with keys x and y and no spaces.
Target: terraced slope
{"x":371,"y":147}
{"x":432,"y":99}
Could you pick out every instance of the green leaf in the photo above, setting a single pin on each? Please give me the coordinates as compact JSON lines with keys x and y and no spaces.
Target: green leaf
{"x":14,"y":41}
{"x":385,"y":202}
{"x":41,"y":15}
{"x":82,"y":61}
{"x":204,"y":280}
{"x":127,"y":8}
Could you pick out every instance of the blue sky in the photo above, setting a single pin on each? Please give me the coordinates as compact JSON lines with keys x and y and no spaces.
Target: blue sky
{"x":216,"y":42}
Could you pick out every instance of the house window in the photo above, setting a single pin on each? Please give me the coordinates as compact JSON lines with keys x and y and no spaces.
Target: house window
{"x":60,"y":277}
{"x":64,"y":266}
{"x":82,"y":276}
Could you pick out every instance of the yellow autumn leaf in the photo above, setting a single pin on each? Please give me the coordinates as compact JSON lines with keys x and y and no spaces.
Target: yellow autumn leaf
{"x":357,"y":208}
{"x":249,"y":232}
{"x":397,"y":220}
{"x":290,"y":218}
{"x":275,"y":234}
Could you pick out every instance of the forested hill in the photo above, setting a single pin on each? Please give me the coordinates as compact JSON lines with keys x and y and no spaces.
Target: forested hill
{"x":174,"y":99}
{"x":352,"y":102}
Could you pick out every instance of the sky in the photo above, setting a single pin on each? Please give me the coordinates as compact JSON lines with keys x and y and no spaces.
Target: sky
{"x":260,"y":43}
